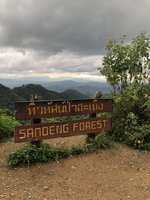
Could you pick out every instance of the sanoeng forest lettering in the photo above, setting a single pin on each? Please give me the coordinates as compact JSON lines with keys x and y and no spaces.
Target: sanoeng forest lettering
{"x":54,"y":130}
{"x":43,"y":109}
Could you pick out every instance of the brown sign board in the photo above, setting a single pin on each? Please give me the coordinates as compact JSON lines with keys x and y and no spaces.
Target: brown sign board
{"x":37,"y":132}
{"x":46,"y":109}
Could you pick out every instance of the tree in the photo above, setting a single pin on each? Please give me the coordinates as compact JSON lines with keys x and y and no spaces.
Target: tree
{"x":126,"y":63}
{"x":127,"y":68}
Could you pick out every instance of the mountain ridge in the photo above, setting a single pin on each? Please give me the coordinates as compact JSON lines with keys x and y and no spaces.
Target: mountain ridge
{"x":86,"y":87}
{"x":23,"y":93}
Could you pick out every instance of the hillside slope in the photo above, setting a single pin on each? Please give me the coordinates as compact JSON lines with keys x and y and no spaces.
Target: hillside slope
{"x":25,"y":91}
{"x":72,"y":94}
{"x":8,"y":97}
{"x":90,"y":90}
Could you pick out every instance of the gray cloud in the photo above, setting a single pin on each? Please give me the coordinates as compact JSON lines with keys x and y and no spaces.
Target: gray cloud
{"x":64,"y":35}
{"x":17,"y":61}
{"x":77,"y":26}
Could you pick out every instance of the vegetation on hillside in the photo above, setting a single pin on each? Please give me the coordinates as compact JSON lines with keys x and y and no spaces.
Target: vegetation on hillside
{"x":23,"y":93}
{"x":72,"y":94}
{"x":8,"y":97}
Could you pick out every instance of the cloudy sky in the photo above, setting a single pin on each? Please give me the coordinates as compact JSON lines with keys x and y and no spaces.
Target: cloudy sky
{"x":64,"y":38}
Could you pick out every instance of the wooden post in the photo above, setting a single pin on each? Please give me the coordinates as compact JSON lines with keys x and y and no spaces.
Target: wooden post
{"x":35,"y":121}
{"x":91,"y":136}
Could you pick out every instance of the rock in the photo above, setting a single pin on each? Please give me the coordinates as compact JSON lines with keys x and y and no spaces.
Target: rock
{"x":73,"y":167}
{"x":46,"y":188}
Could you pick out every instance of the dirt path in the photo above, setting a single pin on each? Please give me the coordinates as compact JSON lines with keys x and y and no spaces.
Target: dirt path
{"x":120,"y":173}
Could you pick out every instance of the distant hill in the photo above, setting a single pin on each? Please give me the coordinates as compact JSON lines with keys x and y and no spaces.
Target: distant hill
{"x":86,"y":87}
{"x":72,"y":94}
{"x":23,"y":93}
{"x":89,"y":90}
{"x":56,"y":88}
{"x":8,"y":97}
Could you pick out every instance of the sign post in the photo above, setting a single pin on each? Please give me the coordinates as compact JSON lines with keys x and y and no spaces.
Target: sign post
{"x":35,"y":121}
{"x":91,"y":136}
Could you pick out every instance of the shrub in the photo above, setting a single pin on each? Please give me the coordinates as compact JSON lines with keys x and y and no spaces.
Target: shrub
{"x":103,"y":141}
{"x":139,"y":137}
{"x":89,"y":147}
{"x":131,"y":116}
{"x":77,"y":150}
{"x":7,"y":125}
{"x":126,"y":67}
{"x":30,"y":154}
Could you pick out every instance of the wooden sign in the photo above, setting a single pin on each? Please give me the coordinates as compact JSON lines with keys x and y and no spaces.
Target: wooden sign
{"x":35,"y":132}
{"x":46,"y":109}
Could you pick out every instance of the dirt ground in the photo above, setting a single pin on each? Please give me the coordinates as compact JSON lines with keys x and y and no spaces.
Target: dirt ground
{"x":120,"y":173}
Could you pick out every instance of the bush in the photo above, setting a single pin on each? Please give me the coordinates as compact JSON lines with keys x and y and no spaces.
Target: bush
{"x":7,"y":125}
{"x":76,"y":150}
{"x":126,"y":67}
{"x":139,"y":136}
{"x":89,"y":147}
{"x":131,"y":116}
{"x":7,"y":112}
{"x":103,"y":141}
{"x":31,"y":153}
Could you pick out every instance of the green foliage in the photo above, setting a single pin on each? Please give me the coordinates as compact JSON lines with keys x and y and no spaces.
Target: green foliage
{"x":103,"y":141}
{"x":8,"y":97}
{"x":6,"y":112}
{"x":25,"y":91}
{"x":139,"y":137}
{"x":126,"y":67}
{"x":31,"y":153}
{"x":62,"y":152}
{"x":72,"y":94}
{"x":100,"y":141}
{"x":63,"y":118}
{"x":131,"y":116}
{"x":90,"y":147}
{"x":76,"y":150}
{"x":7,"y":124}
{"x":126,"y":63}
